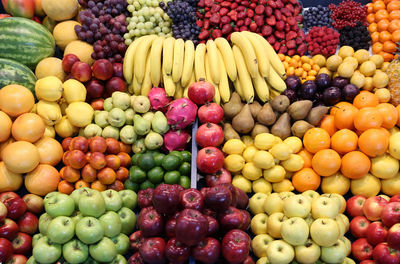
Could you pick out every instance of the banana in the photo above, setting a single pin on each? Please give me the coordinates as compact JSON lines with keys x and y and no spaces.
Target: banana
{"x":169,"y":85}
{"x":273,"y":93}
{"x":141,"y":53}
{"x":217,"y":97}
{"x":155,"y":60}
{"x":128,"y":60}
{"x":136,"y":86}
{"x":178,"y":90}
{"x":147,"y":85}
{"x":247,"y":50}
{"x":238,"y":88}
{"x":199,"y":67}
{"x":187,"y":63}
{"x":276,"y":81}
{"x":168,"y":55}
{"x":244,"y":76}
{"x":223,"y":85}
{"x":261,"y":87}
{"x":130,"y":88}
{"x":177,"y":66}
{"x":227,"y":55}
{"x":261,"y":53}
{"x":213,"y":61}
{"x":192,"y":81}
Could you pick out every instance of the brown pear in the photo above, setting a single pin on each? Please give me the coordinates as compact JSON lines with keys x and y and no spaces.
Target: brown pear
{"x":258,"y":129}
{"x":266,"y":116}
{"x":229,"y":132}
{"x":299,"y":110}
{"x":243,"y":122}
{"x":233,"y":107}
{"x":282,"y":126}
{"x":255,"y":107}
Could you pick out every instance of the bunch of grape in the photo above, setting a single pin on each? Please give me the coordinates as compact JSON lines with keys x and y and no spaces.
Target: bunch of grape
{"x":103,"y":24}
{"x":146,"y":18}
{"x":317,"y":16}
{"x":183,"y":15}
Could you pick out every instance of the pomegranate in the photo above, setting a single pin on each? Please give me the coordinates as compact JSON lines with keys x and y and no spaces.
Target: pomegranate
{"x":209,"y":135}
{"x":201,"y":92}
{"x":210,"y":160}
{"x":222,"y":176}
{"x":210,"y":112}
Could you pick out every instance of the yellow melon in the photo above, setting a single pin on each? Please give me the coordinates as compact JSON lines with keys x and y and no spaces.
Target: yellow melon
{"x":9,"y":181}
{"x":42,"y":180}
{"x":64,"y":33}
{"x":5,"y":126}
{"x":50,"y":67}
{"x":50,"y":151}
{"x":60,"y":9}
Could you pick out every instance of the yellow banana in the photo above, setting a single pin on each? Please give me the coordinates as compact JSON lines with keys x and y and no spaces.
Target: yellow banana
{"x":244,"y":76}
{"x":217,"y":97}
{"x":155,"y":60}
{"x":227,"y":55}
{"x":187,"y":63}
{"x":238,"y":88}
{"x":129,"y":59}
{"x":276,"y":81}
{"x":136,"y":86}
{"x":177,"y":66}
{"x":191,"y":81}
{"x":142,"y":52}
{"x":130,"y":88}
{"x":178,"y":90}
{"x":199,"y":67}
{"x":168,"y":55}
{"x":146,"y":85}
{"x":169,"y":85}
{"x":273,"y":93}
{"x":213,"y":61}
{"x":223,"y":85}
{"x":261,"y":87}
{"x":247,"y":50}
{"x":261,"y":53}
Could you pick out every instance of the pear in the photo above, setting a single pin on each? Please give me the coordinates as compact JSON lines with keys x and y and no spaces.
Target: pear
{"x":80,"y":114}
{"x":282,"y":126}
{"x":255,"y":107}
{"x":258,"y":129}
{"x":110,"y":132}
{"x":116,"y":117}
{"x":100,"y":118}
{"x":92,"y":130}
{"x":129,"y":114}
{"x":233,"y":107}
{"x":299,"y":110}
{"x":148,"y":116}
{"x":108,"y":104}
{"x":266,"y":116}
{"x":121,"y":100}
{"x":138,"y":146}
{"x":128,"y":134}
{"x":141,"y":125}
{"x":159,"y":124}
{"x":243,"y":122}
{"x":300,"y":127}
{"x":50,"y":112}
{"x":141,"y":104}
{"x":153,"y":140}
{"x":229,"y":132}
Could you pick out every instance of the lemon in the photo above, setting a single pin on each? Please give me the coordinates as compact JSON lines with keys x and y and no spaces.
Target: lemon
{"x":361,"y":55}
{"x":234,"y":163}
{"x":384,"y":167}
{"x":368,"y":84}
{"x":49,"y":88}
{"x":274,"y":174}
{"x":283,"y":186}
{"x":326,"y":71}
{"x":346,"y":51}
{"x":368,"y":68}
{"x":242,"y":183}
{"x":378,"y":60}
{"x":249,"y":152}
{"x":391,"y":186}
{"x":277,"y":140}
{"x":333,"y":62}
{"x":251,"y":172}
{"x":262,"y":186}
{"x":281,"y":151}
{"x":394,"y":145}
{"x":345,"y":69}
{"x":383,"y":95}
{"x":380,"y":79}
{"x":319,"y":60}
{"x":264,"y":141}
{"x":336,"y":183}
{"x":293,"y":163}
{"x":294,"y":143}
{"x":353,"y":61}
{"x":233,"y":146}
{"x":367,"y":186}
{"x":358,"y":79}
{"x":247,"y":140}
{"x":263,"y":159}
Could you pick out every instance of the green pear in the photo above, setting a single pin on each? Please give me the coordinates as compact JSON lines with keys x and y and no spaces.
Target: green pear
{"x":141,"y":125}
{"x":128,"y":134}
{"x":159,"y":123}
{"x":153,"y":140}
{"x":108,"y":104}
{"x":139,"y":146}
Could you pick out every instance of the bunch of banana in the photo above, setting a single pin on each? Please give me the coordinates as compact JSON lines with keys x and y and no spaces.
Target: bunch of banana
{"x":251,"y":65}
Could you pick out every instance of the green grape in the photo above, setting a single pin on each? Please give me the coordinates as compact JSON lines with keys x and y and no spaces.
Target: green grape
{"x":137,"y":32}
{"x":152,"y":19}
{"x":148,"y":25}
{"x":131,"y":8}
{"x":165,"y":29}
{"x":140,"y":25}
{"x":157,"y":29}
{"x":141,"y":19}
{"x":128,"y":41}
{"x":165,"y":16}
{"x":143,"y":31}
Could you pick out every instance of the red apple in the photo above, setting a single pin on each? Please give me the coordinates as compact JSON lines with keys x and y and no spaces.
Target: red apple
{"x":95,"y":89}
{"x":354,"y":205}
{"x":76,"y":159}
{"x":3,"y":212}
{"x":113,"y":162}
{"x":22,"y":244}
{"x":6,"y":195}
{"x":231,"y":219}
{"x":136,"y":240}
{"x":359,"y":226}
{"x":218,"y":198}
{"x":145,"y":198}
{"x":213,"y":226}
{"x":113,"y":146}
{"x":9,"y":229}
{"x":383,"y":254}
{"x":166,"y":199}
{"x":153,"y":250}
{"x":170,"y":227}
{"x":6,"y":250}
{"x":395,"y":198}
{"x":368,"y":261}
{"x":81,"y":71}
{"x":191,"y":199}
{"x":102,"y":69}
{"x":65,"y":143}
{"x":97,"y":144}
{"x":191,"y":227}
{"x":28,"y":223}
{"x":34,"y":203}
{"x":79,"y":143}
{"x":376,"y":233}
{"x":97,"y":104}
{"x":118,"y":69}
{"x":97,"y":160}
{"x":361,"y":249}
{"x":151,"y":223}
{"x":177,"y":252}
{"x":115,"y":84}
{"x":242,"y":199}
{"x":207,"y":251}
{"x":391,"y":214}
{"x":393,"y":236}
{"x":222,"y":176}
{"x":246,"y":220}
{"x":235,"y":246}
{"x":136,"y":259}
{"x":373,"y":207}
{"x":17,"y":259}
{"x":248,"y":260}
{"x":16,"y":207}
{"x":68,"y":61}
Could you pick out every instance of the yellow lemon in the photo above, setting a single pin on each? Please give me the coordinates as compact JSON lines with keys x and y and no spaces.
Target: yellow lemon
{"x":336,"y":183}
{"x":294,"y":143}
{"x":384,"y":166}
{"x":319,"y":60}
{"x":274,"y":174}
{"x":249,"y":152}
{"x":264,"y":141}
{"x":377,"y":59}
{"x":383,"y":94}
{"x":293,"y":163}
{"x":242,"y":183}
{"x":353,"y":61}
{"x":251,"y":172}
{"x":261,"y":185}
{"x":380,"y":79}
{"x":247,"y":140}
{"x":361,"y":55}
{"x":283,"y":186}
{"x":281,"y":151}
{"x":368,"y":68}
{"x":263,"y":159}
{"x":346,"y":51}
{"x":391,"y":186}
{"x":278,"y":140}
{"x":233,"y":146}
{"x":394,"y":144}
{"x":367,"y":186}
{"x":234,"y":163}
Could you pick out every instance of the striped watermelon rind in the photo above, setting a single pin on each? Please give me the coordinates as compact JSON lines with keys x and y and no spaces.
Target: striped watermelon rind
{"x":25,"y":41}
{"x":12,"y":72}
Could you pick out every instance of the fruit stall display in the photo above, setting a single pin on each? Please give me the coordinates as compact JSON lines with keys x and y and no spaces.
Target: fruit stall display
{"x":199,"y":132}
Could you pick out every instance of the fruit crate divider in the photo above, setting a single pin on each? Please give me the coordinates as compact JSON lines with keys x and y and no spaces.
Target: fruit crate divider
{"x":193,"y":173}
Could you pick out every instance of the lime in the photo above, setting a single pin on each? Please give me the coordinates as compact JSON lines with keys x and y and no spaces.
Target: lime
{"x":170,"y":162}
{"x":135,"y":158}
{"x":185,"y":168}
{"x":155,"y":175}
{"x":172,"y":177}
{"x":158,"y":158}
{"x":137,"y":175}
{"x":146,"y":184}
{"x":153,"y":152}
{"x":186,"y":155}
{"x":184,"y":181}
{"x":178,"y":154}
{"x":146,"y":161}
{"x":130,"y":185}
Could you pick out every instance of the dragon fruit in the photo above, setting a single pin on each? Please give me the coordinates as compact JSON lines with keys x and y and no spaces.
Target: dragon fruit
{"x":176,"y":140}
{"x":158,"y":99}
{"x":181,"y":113}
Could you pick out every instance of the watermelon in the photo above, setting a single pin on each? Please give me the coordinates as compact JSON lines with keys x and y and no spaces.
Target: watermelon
{"x":12,"y":72}
{"x":25,"y":41}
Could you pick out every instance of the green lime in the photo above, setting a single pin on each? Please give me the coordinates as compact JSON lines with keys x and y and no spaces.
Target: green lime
{"x":170,"y":162}
{"x":155,"y":175}
{"x":146,"y":161}
{"x":135,"y":158}
{"x":130,"y":185}
{"x":178,"y":154}
{"x":158,"y":158}
{"x":146,"y":184}
{"x":172,"y":177}
{"x":184,"y":181}
{"x":185,"y":168}
{"x":153,"y":152}
{"x":137,"y":175}
{"x":187,"y":156}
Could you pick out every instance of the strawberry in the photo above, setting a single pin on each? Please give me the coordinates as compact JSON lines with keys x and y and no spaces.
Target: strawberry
{"x":253,"y":5}
{"x":204,"y":34}
{"x":259,"y":9}
{"x":206,"y":24}
{"x":291,"y":52}
{"x":216,"y":33}
{"x":240,"y":23}
{"x":291,"y":44}
{"x":262,"y":2}
{"x":283,"y":49}
{"x":270,"y":20}
{"x":280,"y":25}
{"x":199,"y":23}
{"x":268,"y":11}
{"x":215,"y":8}
{"x":225,"y":20}
{"x":240,"y":8}
{"x":290,"y":8}
{"x":272,"y":4}
{"x":243,"y":28}
{"x":253,"y":27}
{"x":241,"y":15}
{"x":259,"y":20}
{"x":209,"y":3}
{"x":201,"y":3}
{"x":215,"y":19}
{"x":277,"y":46}
{"x":271,"y":39}
{"x":291,"y":20}
{"x":226,"y":29}
{"x":225,"y":4}
{"x":234,"y":6}
{"x":278,"y":14}
{"x":279,"y":34}
{"x":223,"y":11}
{"x":279,"y":3}
{"x":208,"y":14}
{"x":245,"y":3}
{"x":291,"y":35}
{"x":299,"y":40}
{"x":233,"y":15}
{"x":249,"y":13}
{"x":266,"y":30}
{"x":247,"y":21}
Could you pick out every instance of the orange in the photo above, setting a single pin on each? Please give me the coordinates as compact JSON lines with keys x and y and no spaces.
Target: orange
{"x":386,"y":56}
{"x":389,"y":114}
{"x":337,"y":106}
{"x":365,"y":99}
{"x":65,"y":187}
{"x":379,"y":5}
{"x":377,"y":47}
{"x":381,"y":14}
{"x":368,"y":117}
{"x":344,"y":116}
{"x":326,"y":162}
{"x":370,"y":8}
{"x":97,"y":185}
{"x":395,"y":14}
{"x":373,"y":142}
{"x":371,"y":18}
{"x":328,"y":124}
{"x":396,"y":36}
{"x":389,"y":46}
{"x":344,"y":141}
{"x":374,"y":37}
{"x":385,"y":131}
{"x":316,"y":139}
{"x":398,"y":111}
{"x":306,"y":179}
{"x":393,"y":5}
{"x":307,"y":157}
{"x":383,"y":25}
{"x":385,"y":36}
{"x":394,"y":25}
{"x":355,"y":165}
{"x":373,"y":27}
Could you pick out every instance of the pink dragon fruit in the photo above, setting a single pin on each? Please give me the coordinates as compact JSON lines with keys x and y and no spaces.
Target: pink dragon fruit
{"x":158,"y":99}
{"x":176,"y":140}
{"x":181,"y":113}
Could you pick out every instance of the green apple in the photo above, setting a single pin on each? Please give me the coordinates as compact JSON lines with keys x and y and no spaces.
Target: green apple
{"x":340,"y":201}
{"x":59,"y":204}
{"x":259,"y":245}
{"x":309,"y":252}
{"x":348,"y":261}
{"x":119,"y":259}
{"x":32,"y":260}
{"x":309,"y":219}
{"x":76,"y":216}
{"x":103,"y":251}
{"x":273,"y":204}
{"x":61,"y":229}
{"x":89,"y":260}
{"x":112,"y":199}
{"x":347,"y":242}
{"x":76,"y":195}
{"x":279,"y":251}
{"x":75,"y":251}
{"x":263,"y":260}
{"x":324,"y":207}
{"x":111,"y":223}
{"x":335,"y":253}
{"x":297,"y":206}
{"x":256,"y":203}
{"x":46,"y":251}
{"x":35,"y":238}
{"x":274,"y":224}
{"x":89,"y":230}
{"x":44,"y":221}
{"x":121,"y":243}
{"x":128,"y":220}
{"x":310,"y":194}
{"x":341,"y":224}
{"x":325,"y":232}
{"x":258,"y":224}
{"x":91,"y":203}
{"x":295,"y":231}
{"x":129,"y":199}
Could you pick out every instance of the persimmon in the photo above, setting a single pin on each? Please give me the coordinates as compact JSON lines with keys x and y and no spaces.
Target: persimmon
{"x":373,"y":142}
{"x":389,"y":114}
{"x":368,"y":117}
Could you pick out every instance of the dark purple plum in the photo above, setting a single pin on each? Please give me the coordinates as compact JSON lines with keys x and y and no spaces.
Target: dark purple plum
{"x":293,"y":82}
{"x":318,"y":97}
{"x":349,"y":92}
{"x":307,"y":90}
{"x":323,"y":81}
{"x":332,"y":95}
{"x":340,"y":82}
{"x":291,"y":95}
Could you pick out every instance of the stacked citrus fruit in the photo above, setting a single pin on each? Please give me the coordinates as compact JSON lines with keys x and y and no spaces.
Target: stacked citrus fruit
{"x":303,"y":67}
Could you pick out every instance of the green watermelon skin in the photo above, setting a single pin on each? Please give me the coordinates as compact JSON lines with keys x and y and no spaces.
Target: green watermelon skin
{"x":12,"y":72}
{"x":25,"y":41}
